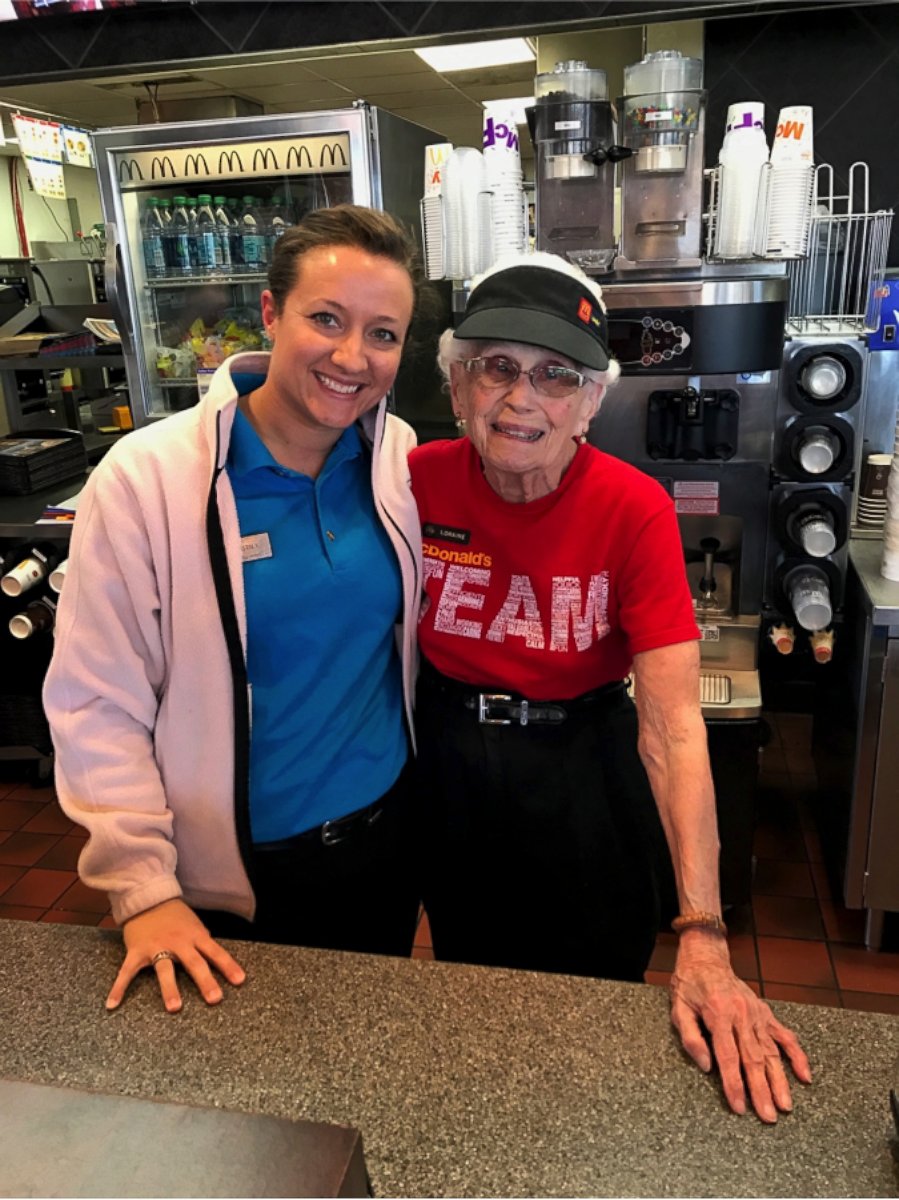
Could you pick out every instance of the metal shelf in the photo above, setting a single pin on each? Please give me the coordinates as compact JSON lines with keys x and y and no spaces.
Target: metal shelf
{"x":175,"y":281}
{"x":190,"y":382}
{"x":62,"y":362}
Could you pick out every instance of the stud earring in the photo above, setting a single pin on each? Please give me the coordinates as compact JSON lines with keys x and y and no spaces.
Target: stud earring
{"x":582,"y":439}
{"x":461,"y":425}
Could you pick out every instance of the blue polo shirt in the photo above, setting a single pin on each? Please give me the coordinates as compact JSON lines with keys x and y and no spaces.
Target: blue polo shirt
{"x":323,"y":591}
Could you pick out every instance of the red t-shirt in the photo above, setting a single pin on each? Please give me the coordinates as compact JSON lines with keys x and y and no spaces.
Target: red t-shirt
{"x":551,"y":598}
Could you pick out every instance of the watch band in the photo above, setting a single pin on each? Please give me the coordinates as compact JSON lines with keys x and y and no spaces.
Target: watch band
{"x":699,"y":920}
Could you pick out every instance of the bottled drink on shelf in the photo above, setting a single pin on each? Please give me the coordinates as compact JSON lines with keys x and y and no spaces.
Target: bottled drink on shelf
{"x":252,"y":237}
{"x":57,"y":576}
{"x":180,"y":236}
{"x":29,"y":569}
{"x":191,"y":206}
{"x":279,"y":222}
{"x":232,"y":208}
{"x":222,"y":234}
{"x":168,"y":247}
{"x":38,"y":617}
{"x":153,"y":236}
{"x":209,"y":250}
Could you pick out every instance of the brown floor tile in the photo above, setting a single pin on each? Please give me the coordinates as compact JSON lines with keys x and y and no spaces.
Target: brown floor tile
{"x":813,"y":846}
{"x":821,"y":878}
{"x":38,"y":795}
{"x":871,"y":1002}
{"x":62,"y":855}
{"x":51,"y":819}
{"x":39,"y":888}
{"x":860,"y":970}
{"x":743,"y":956}
{"x":842,"y":924}
{"x":739,"y":919}
{"x":56,"y":916}
{"x":423,"y":932}
{"x":658,"y":978}
{"x":15,"y":813}
{"x":423,"y":952}
{"x":754,"y":986}
{"x":9,"y":876}
{"x":775,"y":878}
{"x":784,"y":843}
{"x":664,"y":953}
{"x":800,"y":994}
{"x":19,"y":912}
{"x":107,"y":922}
{"x":23,"y":849}
{"x":789,"y":960}
{"x":4,"y":834}
{"x":80,"y":898}
{"x":78,"y":831}
{"x":788,"y":916}
{"x":795,"y":730}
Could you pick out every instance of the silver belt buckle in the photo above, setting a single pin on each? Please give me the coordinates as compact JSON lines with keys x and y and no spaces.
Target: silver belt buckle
{"x":485,"y":699}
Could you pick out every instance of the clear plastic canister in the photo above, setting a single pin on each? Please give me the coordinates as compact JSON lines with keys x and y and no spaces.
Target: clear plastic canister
{"x":571,"y":80}
{"x":808,"y":590}
{"x":663,"y":71}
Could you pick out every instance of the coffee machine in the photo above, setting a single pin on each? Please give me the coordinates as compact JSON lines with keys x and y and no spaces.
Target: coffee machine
{"x":573,"y":130}
{"x":662,"y":115}
{"x":695,"y":408}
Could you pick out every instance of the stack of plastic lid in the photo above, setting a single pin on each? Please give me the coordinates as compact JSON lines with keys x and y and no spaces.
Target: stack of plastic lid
{"x":432,"y":208}
{"x":466,"y":215}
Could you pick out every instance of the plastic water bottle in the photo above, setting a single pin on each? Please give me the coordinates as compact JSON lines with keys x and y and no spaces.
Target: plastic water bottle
{"x":191,"y":205}
{"x":252,"y":237}
{"x":279,"y":222}
{"x":153,"y":234}
{"x":168,"y":248}
{"x":179,"y":236}
{"x":209,"y":251}
{"x":222,"y":235}
{"x":263,"y":220}
{"x":233,"y":212}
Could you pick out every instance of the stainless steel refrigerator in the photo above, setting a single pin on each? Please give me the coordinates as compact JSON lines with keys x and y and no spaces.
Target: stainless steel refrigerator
{"x":178,"y":321}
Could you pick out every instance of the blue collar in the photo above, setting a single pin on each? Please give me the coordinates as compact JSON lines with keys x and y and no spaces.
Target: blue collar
{"x":247,"y":452}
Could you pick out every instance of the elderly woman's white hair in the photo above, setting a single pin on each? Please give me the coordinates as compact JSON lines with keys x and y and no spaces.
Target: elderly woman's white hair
{"x":451,"y":349}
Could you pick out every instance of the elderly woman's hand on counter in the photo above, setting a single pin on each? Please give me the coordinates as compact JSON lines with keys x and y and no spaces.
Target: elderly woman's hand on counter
{"x":745,"y":1039}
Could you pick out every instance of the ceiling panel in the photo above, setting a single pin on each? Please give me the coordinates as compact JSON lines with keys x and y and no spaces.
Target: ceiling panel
{"x":422,"y":82}
{"x":267,"y":74}
{"x":320,"y":89}
{"x":349,"y":66}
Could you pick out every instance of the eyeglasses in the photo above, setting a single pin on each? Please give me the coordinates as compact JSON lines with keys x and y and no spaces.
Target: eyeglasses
{"x":497,"y":371}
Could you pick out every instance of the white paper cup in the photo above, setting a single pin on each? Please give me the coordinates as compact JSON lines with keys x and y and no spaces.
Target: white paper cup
{"x":435,"y":158}
{"x":793,"y":138}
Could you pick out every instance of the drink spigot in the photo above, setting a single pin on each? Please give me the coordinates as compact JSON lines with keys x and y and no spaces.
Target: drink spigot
{"x":707,"y":584}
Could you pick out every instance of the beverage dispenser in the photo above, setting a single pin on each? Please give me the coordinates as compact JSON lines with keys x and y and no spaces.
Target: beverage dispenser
{"x":574,"y":134}
{"x":662,"y":114}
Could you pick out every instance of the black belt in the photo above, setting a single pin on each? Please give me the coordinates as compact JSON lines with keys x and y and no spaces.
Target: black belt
{"x":505,"y":708}
{"x":332,"y":832}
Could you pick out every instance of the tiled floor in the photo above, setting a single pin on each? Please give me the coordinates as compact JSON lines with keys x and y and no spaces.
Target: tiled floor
{"x":795,"y":941}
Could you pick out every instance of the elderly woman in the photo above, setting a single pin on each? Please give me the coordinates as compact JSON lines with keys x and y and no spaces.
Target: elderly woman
{"x":552,"y":572}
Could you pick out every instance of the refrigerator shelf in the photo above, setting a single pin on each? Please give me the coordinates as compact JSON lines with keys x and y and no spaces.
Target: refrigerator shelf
{"x":175,"y":281}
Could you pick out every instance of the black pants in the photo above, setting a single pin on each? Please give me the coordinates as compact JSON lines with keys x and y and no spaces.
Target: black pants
{"x":537,"y":843}
{"x":357,"y":894}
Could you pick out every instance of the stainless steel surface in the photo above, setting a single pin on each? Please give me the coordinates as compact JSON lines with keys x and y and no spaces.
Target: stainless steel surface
{"x":676,"y":293}
{"x":881,"y":595}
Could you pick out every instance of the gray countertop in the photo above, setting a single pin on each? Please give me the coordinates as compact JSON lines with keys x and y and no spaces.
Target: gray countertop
{"x":883,"y":594}
{"x":462,"y":1080}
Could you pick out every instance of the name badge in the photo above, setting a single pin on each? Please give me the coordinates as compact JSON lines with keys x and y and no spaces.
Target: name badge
{"x":255,"y":546}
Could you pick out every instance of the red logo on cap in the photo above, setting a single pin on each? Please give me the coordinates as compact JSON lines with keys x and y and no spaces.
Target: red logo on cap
{"x":585,"y":310}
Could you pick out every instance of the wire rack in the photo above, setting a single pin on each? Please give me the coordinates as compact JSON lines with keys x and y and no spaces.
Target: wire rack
{"x":833,"y":290}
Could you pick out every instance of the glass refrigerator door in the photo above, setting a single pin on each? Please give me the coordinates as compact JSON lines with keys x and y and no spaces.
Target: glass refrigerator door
{"x":198,"y":226}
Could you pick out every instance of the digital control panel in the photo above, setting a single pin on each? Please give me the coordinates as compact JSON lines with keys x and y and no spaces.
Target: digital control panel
{"x":657,"y":341}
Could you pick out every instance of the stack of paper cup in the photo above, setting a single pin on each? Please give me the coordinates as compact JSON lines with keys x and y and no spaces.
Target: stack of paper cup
{"x":502,"y":170}
{"x":742,"y":157}
{"x":463,"y":213}
{"x":791,"y":183}
{"x":889,"y":567}
{"x":871,"y":502}
{"x":432,"y":208}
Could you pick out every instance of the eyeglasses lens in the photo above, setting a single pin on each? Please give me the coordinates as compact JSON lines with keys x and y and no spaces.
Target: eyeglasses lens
{"x":497,"y":371}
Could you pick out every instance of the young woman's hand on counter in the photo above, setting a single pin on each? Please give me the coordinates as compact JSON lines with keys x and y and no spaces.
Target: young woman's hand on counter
{"x":747,"y":1040}
{"x":170,"y":933}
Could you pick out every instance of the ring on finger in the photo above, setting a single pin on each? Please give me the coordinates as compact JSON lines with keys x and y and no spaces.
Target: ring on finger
{"x":162,"y":956}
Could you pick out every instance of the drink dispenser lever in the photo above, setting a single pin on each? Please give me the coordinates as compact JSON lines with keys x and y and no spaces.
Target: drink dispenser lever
{"x":707,"y":584}
{"x":601,"y":154}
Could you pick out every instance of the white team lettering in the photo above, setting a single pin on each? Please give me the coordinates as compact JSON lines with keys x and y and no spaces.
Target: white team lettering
{"x":453,"y":597}
{"x":569,"y":612}
{"x":507,"y":622}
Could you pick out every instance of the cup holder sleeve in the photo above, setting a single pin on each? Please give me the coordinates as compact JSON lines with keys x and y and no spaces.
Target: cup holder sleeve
{"x":790,"y":439}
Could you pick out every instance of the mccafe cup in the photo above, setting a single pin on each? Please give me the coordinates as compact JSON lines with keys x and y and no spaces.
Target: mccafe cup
{"x":875,"y":476}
